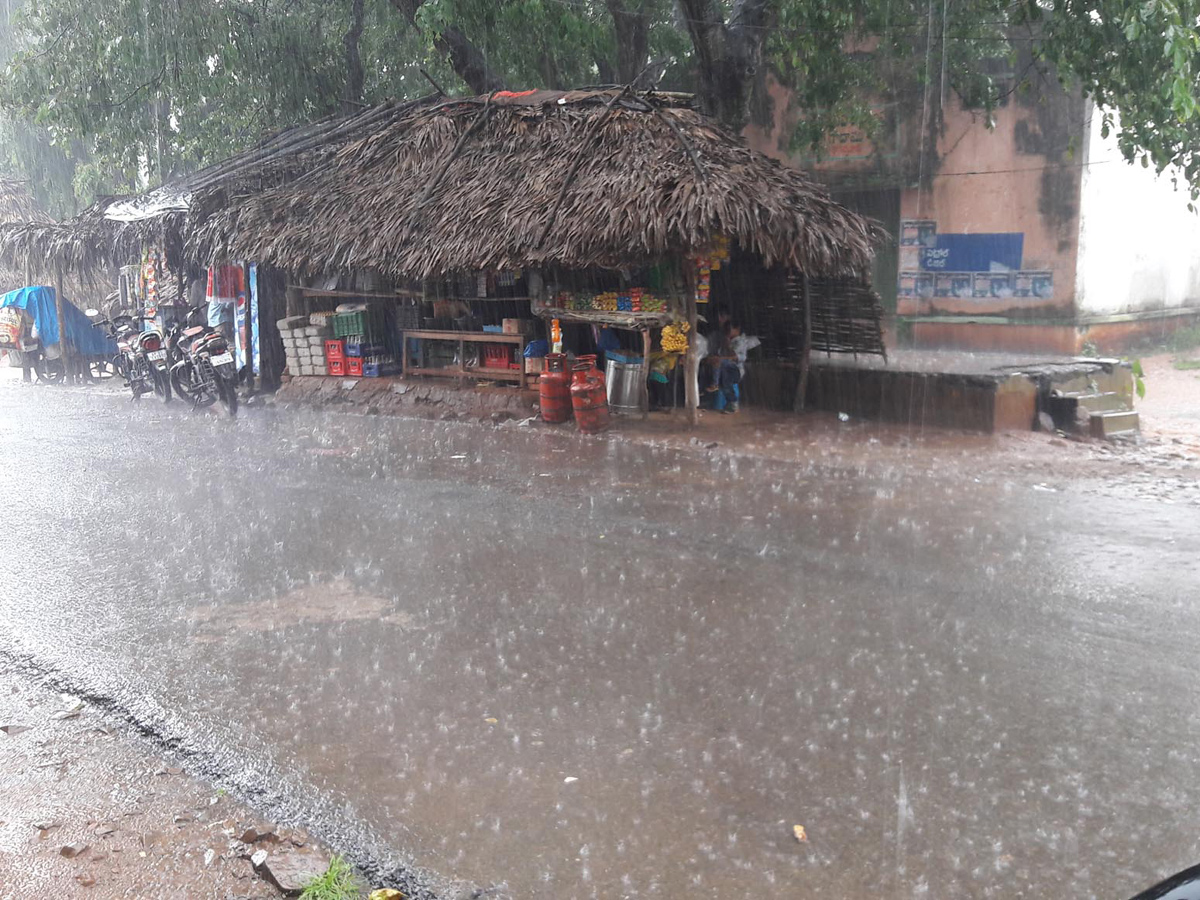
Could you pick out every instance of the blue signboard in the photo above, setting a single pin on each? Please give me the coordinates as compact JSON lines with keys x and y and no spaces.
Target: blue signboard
{"x":974,"y":253}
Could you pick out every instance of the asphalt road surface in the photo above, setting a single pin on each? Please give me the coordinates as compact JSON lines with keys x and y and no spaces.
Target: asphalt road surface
{"x":572,"y":667}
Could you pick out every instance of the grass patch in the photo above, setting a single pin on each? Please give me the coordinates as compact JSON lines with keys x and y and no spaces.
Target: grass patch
{"x":1186,"y":365}
{"x":1184,"y":339}
{"x":338,"y":883}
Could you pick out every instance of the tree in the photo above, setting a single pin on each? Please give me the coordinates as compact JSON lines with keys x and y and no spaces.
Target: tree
{"x":150,"y":90}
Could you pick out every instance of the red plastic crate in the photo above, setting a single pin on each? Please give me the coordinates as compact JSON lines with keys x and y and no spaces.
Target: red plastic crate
{"x":336,"y":367}
{"x":354,"y":365}
{"x":497,"y":356}
{"x":335,"y":350}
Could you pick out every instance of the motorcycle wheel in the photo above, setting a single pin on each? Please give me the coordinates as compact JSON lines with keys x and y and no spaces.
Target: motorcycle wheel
{"x":229,"y":397}
{"x":162,"y":386}
{"x":102,"y":369}
{"x":50,"y":371}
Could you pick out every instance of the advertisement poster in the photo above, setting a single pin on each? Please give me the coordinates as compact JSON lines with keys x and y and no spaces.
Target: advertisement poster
{"x":918,"y":233}
{"x":954,"y":284}
{"x":916,"y":284}
{"x":996,"y":285}
{"x":1038,"y":285}
{"x":910,"y":259}
{"x":255,"y":341}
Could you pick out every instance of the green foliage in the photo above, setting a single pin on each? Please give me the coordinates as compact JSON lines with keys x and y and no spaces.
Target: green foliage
{"x":339,"y":882}
{"x":132,"y":92}
{"x":1139,"y":379}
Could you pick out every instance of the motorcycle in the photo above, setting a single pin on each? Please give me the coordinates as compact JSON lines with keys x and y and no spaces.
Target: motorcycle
{"x":201,"y":363}
{"x":141,"y":357}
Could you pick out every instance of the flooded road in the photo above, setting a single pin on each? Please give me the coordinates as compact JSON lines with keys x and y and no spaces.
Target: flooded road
{"x":588,"y":668}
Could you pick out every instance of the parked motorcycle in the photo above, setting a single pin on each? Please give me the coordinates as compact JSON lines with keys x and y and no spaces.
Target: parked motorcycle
{"x":201,"y":363}
{"x":141,"y":357}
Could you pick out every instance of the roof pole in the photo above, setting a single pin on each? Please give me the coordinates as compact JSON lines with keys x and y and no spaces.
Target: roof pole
{"x":63,"y":345}
{"x":691,"y":388}
{"x":806,"y":350}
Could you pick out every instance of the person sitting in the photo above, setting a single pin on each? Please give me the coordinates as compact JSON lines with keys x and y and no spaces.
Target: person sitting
{"x":720,"y":373}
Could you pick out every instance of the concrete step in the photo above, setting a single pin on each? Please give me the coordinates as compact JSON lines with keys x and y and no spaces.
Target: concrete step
{"x":1110,"y":424}
{"x":1105,"y":401}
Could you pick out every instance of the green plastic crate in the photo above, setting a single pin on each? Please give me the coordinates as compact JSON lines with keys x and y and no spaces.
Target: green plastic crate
{"x":368,"y":322}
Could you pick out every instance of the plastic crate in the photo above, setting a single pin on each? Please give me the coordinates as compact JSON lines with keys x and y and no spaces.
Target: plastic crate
{"x":357,"y":347}
{"x":336,"y":367}
{"x":377,"y":370}
{"x":335,"y":350}
{"x":354,"y":365}
{"x":408,"y":315}
{"x":368,"y":322}
{"x":496,"y":356}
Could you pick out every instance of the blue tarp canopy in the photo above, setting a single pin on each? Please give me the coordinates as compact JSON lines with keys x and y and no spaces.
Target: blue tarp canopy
{"x":39,"y":303}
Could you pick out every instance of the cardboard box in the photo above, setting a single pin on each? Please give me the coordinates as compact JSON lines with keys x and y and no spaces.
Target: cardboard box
{"x":517,"y":326}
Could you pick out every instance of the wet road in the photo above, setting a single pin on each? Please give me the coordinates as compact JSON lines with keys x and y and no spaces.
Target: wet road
{"x":583,"y":668}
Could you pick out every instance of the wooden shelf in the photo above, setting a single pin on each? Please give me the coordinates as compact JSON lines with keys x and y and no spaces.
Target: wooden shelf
{"x":461,"y":371}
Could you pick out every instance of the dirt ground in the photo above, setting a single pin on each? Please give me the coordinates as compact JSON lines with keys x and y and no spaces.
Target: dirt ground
{"x":87,"y":812}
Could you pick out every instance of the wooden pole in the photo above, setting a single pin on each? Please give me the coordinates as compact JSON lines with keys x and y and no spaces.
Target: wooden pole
{"x":63,"y":344}
{"x":645,"y":394}
{"x":691,"y":388}
{"x":806,"y":351}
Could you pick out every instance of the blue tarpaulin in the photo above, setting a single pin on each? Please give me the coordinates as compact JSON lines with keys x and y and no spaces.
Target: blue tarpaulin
{"x":39,"y":303}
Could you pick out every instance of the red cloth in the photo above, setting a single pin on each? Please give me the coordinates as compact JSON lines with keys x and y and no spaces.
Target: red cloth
{"x":225,"y":283}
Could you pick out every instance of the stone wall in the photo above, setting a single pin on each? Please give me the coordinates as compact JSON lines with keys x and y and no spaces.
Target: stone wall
{"x":411,"y":397}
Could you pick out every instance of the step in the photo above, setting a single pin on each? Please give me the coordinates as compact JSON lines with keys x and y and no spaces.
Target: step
{"x":1109,"y":424}
{"x":1106,"y":401}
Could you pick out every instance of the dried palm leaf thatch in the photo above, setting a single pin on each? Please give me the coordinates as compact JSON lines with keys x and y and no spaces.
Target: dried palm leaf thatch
{"x":578,"y":179}
{"x":114,"y":230}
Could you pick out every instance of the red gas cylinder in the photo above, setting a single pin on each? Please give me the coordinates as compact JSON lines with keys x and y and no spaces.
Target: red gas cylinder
{"x":590,"y":359}
{"x":588,"y":398}
{"x":554,"y":389}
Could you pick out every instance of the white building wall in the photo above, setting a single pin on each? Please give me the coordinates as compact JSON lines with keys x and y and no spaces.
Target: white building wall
{"x":1139,"y":247}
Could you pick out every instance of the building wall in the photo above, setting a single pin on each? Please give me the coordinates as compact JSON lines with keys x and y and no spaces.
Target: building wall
{"x":1007,"y":195}
{"x":1139,"y":246}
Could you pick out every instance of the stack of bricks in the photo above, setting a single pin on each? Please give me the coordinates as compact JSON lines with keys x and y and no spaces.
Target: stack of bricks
{"x":304,"y":343}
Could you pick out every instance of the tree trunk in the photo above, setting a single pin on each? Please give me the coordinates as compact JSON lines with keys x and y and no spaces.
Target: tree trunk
{"x":728,"y":54}
{"x":632,"y":28}
{"x":465,"y":58}
{"x":355,"y":76}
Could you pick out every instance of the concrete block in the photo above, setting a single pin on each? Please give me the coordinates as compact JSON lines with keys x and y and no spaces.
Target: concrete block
{"x":290,"y":322}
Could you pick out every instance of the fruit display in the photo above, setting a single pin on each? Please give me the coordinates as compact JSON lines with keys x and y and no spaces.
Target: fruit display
{"x":633,"y":300}
{"x":674,"y":338}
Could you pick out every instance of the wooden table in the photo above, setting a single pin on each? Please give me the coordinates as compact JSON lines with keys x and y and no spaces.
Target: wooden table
{"x":462,"y":338}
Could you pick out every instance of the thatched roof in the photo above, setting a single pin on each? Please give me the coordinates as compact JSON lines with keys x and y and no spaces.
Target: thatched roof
{"x":113,"y":230}
{"x":577,"y":179}
{"x":17,"y":204}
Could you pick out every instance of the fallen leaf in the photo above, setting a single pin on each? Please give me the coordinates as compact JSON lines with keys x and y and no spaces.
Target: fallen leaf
{"x":386,"y":894}
{"x":85,"y":880}
{"x":184,"y":818}
{"x":491,"y":720}
{"x":47,"y":825}
{"x":800,"y":834}
{"x":14,"y":730}
{"x":102,"y":830}
{"x":70,"y":851}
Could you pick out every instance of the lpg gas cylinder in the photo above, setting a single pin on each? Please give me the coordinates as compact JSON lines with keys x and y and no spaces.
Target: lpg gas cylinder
{"x":588,"y":398}
{"x":554,"y":389}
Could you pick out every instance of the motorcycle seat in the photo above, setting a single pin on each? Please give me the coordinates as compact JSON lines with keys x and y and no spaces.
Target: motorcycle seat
{"x":194,"y":331}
